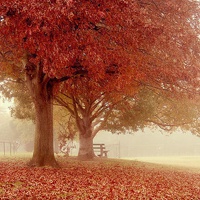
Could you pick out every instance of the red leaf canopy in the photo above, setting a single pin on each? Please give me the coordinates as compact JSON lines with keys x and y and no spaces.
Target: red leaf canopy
{"x":148,"y":42}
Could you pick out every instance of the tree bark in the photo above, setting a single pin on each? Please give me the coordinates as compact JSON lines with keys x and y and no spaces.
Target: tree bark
{"x":42,"y":93}
{"x":86,"y":151}
{"x":43,"y":144}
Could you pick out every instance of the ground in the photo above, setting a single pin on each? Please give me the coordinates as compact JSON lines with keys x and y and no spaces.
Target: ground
{"x":189,"y":163}
{"x":98,"y":179}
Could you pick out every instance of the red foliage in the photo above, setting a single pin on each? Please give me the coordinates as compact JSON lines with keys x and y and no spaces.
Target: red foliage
{"x":97,"y":180}
{"x":118,"y":43}
{"x":152,"y":42}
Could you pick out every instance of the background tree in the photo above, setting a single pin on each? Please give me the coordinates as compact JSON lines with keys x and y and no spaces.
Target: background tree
{"x":94,"y":111}
{"x":17,"y":92}
{"x":25,"y":129}
{"x":150,"y":108}
{"x":89,"y":106}
{"x":7,"y":133}
{"x":114,"y":42}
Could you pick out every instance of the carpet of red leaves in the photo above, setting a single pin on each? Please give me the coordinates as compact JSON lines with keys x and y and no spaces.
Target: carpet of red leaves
{"x":99,"y":179}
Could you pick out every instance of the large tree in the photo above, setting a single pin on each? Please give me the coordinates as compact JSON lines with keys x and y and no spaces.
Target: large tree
{"x":94,"y":110}
{"x":115,"y":43}
{"x":90,"y":105}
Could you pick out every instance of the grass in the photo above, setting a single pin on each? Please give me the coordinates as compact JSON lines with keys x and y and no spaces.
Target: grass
{"x":179,"y":162}
{"x":187,"y":162}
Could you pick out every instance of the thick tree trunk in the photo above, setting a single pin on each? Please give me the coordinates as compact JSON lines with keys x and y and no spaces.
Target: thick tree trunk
{"x":86,"y":151}
{"x":43,"y":147}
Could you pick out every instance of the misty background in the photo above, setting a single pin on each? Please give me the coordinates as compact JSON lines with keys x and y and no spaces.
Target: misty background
{"x":139,"y":144}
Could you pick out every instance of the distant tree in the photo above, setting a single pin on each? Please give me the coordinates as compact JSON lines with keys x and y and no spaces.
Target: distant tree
{"x":192,"y":113}
{"x":94,"y":111}
{"x":150,"y":108}
{"x":22,"y":107}
{"x":6,"y":133}
{"x":89,"y":108}
{"x":25,"y":133}
{"x":113,"y":43}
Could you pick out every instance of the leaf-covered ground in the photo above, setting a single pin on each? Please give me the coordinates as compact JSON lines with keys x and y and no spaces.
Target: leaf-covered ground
{"x":99,"y":179}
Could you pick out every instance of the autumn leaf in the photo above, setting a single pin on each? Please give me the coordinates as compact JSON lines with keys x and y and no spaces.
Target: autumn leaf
{"x":100,"y":179}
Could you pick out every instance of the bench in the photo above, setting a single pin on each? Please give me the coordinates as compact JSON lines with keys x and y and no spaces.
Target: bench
{"x":101,"y":149}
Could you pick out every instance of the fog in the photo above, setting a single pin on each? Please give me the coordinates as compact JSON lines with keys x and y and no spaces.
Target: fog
{"x":6,"y":132}
{"x":150,"y":143}
{"x":139,"y":144}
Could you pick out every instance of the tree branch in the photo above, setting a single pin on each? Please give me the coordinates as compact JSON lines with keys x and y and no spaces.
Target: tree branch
{"x":102,"y":123}
{"x":63,"y":103}
{"x":163,"y":124}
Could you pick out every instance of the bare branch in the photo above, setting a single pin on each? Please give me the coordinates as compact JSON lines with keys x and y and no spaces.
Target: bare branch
{"x":65,"y":104}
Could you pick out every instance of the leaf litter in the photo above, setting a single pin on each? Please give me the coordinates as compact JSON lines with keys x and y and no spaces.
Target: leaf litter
{"x":98,"y":179}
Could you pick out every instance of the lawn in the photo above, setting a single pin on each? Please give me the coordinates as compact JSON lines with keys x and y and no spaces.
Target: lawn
{"x":99,"y":179}
{"x":191,"y":163}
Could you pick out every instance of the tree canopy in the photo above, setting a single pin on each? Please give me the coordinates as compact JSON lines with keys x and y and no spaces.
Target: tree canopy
{"x":145,"y":41}
{"x":119,"y":46}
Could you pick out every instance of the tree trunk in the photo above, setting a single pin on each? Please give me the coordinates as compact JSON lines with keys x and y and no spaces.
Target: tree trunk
{"x":86,"y":151}
{"x":43,"y":144}
{"x":43,"y":153}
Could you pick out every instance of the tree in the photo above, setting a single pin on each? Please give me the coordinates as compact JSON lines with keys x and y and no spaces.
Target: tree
{"x":115,"y":43}
{"x":152,"y":108}
{"x":90,"y":106}
{"x":24,"y":129}
{"x":94,"y":111}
